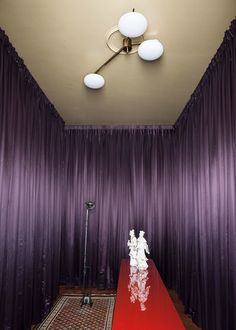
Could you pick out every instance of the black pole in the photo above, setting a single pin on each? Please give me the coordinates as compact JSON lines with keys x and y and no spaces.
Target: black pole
{"x":86,"y":299}
{"x":85,"y":248}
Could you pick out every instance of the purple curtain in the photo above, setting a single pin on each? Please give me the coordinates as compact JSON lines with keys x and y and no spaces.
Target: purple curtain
{"x":125,"y":172}
{"x":31,"y":146}
{"x":204,"y":199}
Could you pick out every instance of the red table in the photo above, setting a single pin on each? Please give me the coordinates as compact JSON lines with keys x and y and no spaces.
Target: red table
{"x":151,"y":309}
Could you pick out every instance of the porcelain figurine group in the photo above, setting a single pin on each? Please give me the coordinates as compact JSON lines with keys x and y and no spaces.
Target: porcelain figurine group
{"x":138,"y":247}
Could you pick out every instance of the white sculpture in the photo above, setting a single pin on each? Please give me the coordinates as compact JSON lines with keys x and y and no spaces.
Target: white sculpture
{"x":142,"y":247}
{"x":132,"y":244}
{"x":137,"y":248}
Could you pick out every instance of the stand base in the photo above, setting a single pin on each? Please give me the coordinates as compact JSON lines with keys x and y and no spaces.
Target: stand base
{"x":86,"y":300}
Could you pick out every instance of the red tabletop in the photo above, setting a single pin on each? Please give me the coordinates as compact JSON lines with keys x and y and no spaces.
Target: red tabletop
{"x":142,"y":301}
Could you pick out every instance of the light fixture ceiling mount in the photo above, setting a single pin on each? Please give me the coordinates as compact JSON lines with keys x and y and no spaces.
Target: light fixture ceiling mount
{"x":131,"y":26}
{"x":114,"y":39}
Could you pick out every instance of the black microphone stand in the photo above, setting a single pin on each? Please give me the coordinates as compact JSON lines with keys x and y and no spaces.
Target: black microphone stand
{"x":86,"y":299}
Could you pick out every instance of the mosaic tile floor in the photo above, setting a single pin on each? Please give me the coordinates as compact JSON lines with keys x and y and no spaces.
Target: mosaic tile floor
{"x":67,"y":314}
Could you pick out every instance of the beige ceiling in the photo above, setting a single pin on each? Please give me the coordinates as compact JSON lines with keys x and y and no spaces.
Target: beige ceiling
{"x":62,"y":40}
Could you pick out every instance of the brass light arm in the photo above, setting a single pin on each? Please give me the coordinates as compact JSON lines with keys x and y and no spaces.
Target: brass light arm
{"x":136,"y":43}
{"x":110,"y":59}
{"x":127,"y":46}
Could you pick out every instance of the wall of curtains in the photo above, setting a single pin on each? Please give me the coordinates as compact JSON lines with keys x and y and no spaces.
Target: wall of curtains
{"x":204,"y":179}
{"x":125,"y":172}
{"x":177,"y":183}
{"x":31,"y":141}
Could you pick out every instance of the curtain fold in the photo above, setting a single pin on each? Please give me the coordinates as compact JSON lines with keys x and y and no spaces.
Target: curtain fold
{"x":31,"y":164}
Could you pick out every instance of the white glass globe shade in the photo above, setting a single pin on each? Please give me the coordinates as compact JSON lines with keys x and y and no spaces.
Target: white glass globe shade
{"x":94,"y":80}
{"x":132,"y":24}
{"x":150,"y":50}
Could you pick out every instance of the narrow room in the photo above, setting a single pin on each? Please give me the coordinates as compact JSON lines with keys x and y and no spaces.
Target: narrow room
{"x":117,"y":165}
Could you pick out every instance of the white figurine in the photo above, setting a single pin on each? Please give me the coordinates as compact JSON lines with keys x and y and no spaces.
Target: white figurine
{"x":132,"y":244}
{"x":142,"y":247}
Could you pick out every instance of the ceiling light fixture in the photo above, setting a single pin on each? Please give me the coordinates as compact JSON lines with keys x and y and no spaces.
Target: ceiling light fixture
{"x":131,"y":26}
